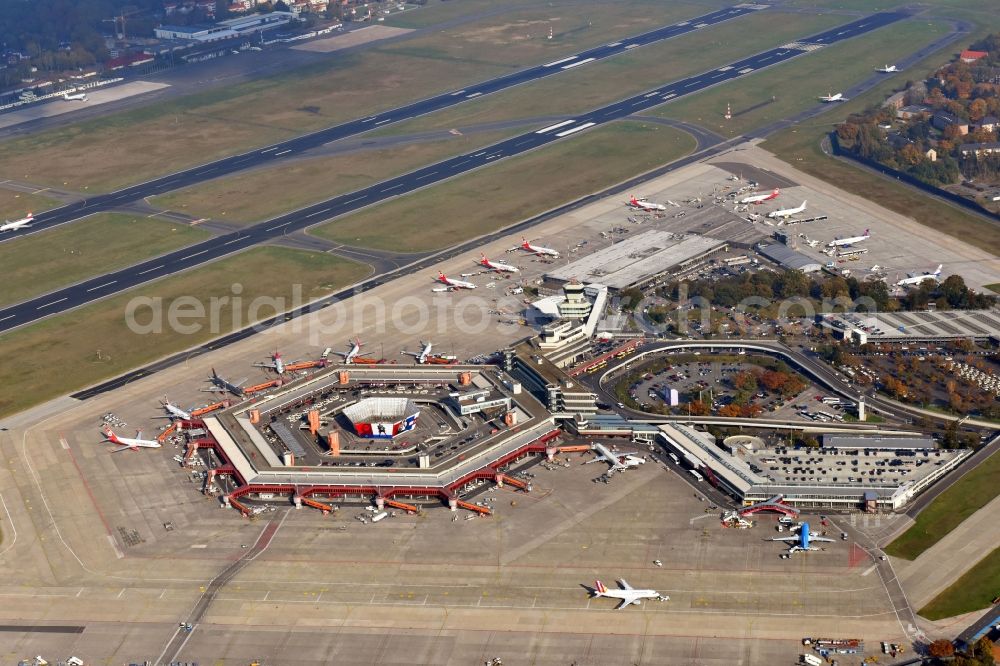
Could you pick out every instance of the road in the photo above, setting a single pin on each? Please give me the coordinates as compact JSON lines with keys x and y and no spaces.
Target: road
{"x":293,"y":147}
{"x":181,"y":635}
{"x":210,"y":250}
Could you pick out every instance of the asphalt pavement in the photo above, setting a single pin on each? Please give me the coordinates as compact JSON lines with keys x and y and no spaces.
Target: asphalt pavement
{"x":293,"y":147}
{"x":215,"y":248}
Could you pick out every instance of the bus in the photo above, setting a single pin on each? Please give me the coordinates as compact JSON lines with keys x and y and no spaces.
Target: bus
{"x":673,"y":457}
{"x":844,"y":254}
{"x":831,"y":400}
{"x":696,"y":475}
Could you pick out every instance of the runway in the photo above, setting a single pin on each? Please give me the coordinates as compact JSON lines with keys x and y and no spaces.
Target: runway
{"x":221,"y":246}
{"x":294,"y":147}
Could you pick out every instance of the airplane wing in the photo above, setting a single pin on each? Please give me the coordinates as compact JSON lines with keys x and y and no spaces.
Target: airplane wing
{"x":824,"y":539}
{"x":124,"y":447}
{"x":623,"y":604}
{"x":788,"y":538}
{"x":624,"y":584}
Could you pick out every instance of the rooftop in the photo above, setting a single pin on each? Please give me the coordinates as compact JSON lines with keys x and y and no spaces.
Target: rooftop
{"x":636,"y":259}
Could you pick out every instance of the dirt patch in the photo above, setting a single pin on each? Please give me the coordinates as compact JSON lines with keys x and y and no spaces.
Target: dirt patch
{"x":372,"y":33}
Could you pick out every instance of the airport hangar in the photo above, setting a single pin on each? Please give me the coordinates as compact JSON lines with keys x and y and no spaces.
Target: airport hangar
{"x":925,"y":326}
{"x":298,"y":442}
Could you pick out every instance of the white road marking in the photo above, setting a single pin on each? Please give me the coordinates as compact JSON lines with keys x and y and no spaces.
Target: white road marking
{"x":150,"y":270}
{"x":559,"y":62}
{"x":101,"y":286}
{"x":556,"y":126}
{"x":267,"y":150}
{"x":381,"y":122}
{"x":577,"y":63}
{"x":284,"y":152}
{"x":52,"y":303}
{"x":193,"y":255}
{"x":8,"y":317}
{"x":475,"y":94}
{"x":575,"y":129}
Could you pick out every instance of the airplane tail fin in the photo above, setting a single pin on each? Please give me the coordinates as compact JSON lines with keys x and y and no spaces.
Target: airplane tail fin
{"x":938,"y":271}
{"x":110,"y":434}
{"x":599,"y":587}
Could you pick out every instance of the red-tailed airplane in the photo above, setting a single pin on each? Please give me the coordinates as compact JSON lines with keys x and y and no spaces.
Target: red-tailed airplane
{"x":277,"y":363}
{"x":761,"y":198}
{"x":497,"y":265}
{"x":130,"y":443}
{"x":645,"y":205}
{"x":453,"y":283}
{"x":17,"y":224}
{"x":537,"y":249}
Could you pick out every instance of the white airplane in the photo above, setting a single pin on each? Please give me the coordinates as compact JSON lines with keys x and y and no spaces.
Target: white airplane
{"x":497,"y":265}
{"x":276,"y":364}
{"x":761,"y":198}
{"x":617,"y":462}
{"x":887,"y":69}
{"x":453,"y":283}
{"x":349,"y":356}
{"x":787,"y":212}
{"x":802,"y":540}
{"x":642,"y":204}
{"x":81,"y":97}
{"x":537,"y":249}
{"x":129,"y":442}
{"x":173,"y":411}
{"x":14,"y":225}
{"x":917,"y":278}
{"x":424,"y":353}
{"x":841,"y":242}
{"x":627,"y":594}
{"x":836,"y":97}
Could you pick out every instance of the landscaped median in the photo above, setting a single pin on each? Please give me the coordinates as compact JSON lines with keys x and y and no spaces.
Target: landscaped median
{"x":975,"y":590}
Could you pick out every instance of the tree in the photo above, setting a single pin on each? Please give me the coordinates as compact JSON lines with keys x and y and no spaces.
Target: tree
{"x":940,"y":648}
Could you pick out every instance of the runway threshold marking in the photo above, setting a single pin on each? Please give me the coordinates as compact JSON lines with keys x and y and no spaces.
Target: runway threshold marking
{"x":574,"y":130}
{"x":559,"y":62}
{"x":578,"y":63}
{"x":556,"y":126}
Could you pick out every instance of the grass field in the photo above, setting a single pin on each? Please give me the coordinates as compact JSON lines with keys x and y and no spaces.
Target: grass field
{"x":973,"y":591}
{"x":15,"y":205}
{"x":165,"y":137}
{"x":603,"y":82}
{"x":795,"y":85}
{"x":100,"y":243}
{"x":265,"y":193}
{"x":78,"y":348}
{"x":971,"y":493}
{"x":500,"y":195}
{"x":800,"y":146}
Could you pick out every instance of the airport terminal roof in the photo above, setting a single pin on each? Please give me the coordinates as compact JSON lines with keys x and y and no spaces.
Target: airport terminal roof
{"x":789,"y":258}
{"x":636,"y":259}
{"x":926,"y":325}
{"x":877,"y":442}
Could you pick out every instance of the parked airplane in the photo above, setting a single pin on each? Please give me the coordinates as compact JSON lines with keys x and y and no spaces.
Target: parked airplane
{"x":841,"y":242}
{"x":887,"y":69}
{"x":787,"y":212}
{"x":537,"y":249}
{"x":617,"y":462}
{"x":836,"y":97}
{"x":276,"y":363}
{"x":349,"y":356}
{"x":71,"y":97}
{"x":761,"y":198}
{"x":173,"y":411}
{"x":498,"y":265}
{"x":424,"y":353}
{"x":453,"y":283}
{"x":642,"y":204}
{"x":221,"y":385}
{"x":627,"y":594}
{"x":129,"y":442}
{"x":802,"y":539}
{"x":917,"y":278}
{"x":17,"y":224}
